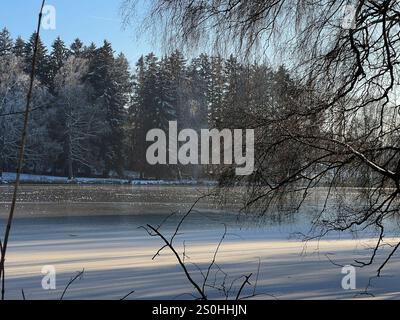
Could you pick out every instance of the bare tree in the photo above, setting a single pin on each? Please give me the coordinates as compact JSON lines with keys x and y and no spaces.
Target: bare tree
{"x":81,"y":118}
{"x":343,"y":130}
{"x":13,"y":85}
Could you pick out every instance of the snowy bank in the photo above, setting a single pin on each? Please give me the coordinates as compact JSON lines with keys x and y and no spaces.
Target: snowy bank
{"x":8,"y":177}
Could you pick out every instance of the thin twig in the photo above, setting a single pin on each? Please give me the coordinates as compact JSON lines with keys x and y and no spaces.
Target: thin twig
{"x":128,"y":295}
{"x":201,"y":288}
{"x":78,"y":276}
{"x":183,"y":266}
{"x":214,"y":257}
{"x":246,"y":281}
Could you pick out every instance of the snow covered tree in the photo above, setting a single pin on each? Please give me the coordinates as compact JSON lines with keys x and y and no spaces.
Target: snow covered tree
{"x":176,"y":66}
{"x":58,"y":56}
{"x":77,"y":47}
{"x":216,"y":92}
{"x":19,"y":47}
{"x":42,"y":59}
{"x":199,"y":74}
{"x":79,"y":121}
{"x":13,"y":84}
{"x":166,"y":100}
{"x":6,"y":43}
{"x":89,"y":52}
{"x":95,"y":115}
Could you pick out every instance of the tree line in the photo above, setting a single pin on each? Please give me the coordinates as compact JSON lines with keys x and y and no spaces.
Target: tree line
{"x":91,"y":110}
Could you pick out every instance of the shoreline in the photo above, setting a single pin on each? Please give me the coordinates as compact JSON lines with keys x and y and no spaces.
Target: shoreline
{"x":28,"y":179}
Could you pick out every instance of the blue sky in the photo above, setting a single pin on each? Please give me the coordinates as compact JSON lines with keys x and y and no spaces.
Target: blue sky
{"x":90,"y":20}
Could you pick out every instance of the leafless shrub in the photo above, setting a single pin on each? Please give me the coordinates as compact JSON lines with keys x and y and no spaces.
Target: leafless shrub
{"x":209,"y":275}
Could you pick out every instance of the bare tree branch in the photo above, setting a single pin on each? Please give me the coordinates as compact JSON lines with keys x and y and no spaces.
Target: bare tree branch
{"x":21,"y":153}
{"x":70,"y":282}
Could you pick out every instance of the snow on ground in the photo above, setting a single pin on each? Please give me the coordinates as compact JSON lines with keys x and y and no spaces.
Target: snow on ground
{"x":117,"y":258}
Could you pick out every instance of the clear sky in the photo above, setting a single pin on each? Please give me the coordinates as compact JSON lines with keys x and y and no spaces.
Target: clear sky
{"x":90,"y":20}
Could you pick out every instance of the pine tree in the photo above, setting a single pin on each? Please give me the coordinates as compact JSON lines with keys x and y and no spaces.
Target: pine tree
{"x":179,"y":87}
{"x":77,"y":48}
{"x":42,"y":60}
{"x":234,"y":94}
{"x":165,"y":95}
{"x":215,"y":92}
{"x":89,"y":52}
{"x":110,"y":79}
{"x":117,"y":112}
{"x":19,"y":47}
{"x":136,"y":124}
{"x":58,"y":57}
{"x":6,"y":43}
{"x":199,"y":75}
{"x":146,"y":111}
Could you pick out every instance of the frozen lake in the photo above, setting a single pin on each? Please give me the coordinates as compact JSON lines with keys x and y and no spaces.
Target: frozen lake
{"x":96,"y":228}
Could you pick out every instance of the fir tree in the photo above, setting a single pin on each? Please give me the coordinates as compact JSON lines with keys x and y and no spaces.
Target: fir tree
{"x":6,"y":43}
{"x":77,"y":48}
{"x":215,"y":92}
{"x":42,"y":60}
{"x":89,"y":52}
{"x":19,"y":47}
{"x":58,"y":57}
{"x":110,"y":79}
